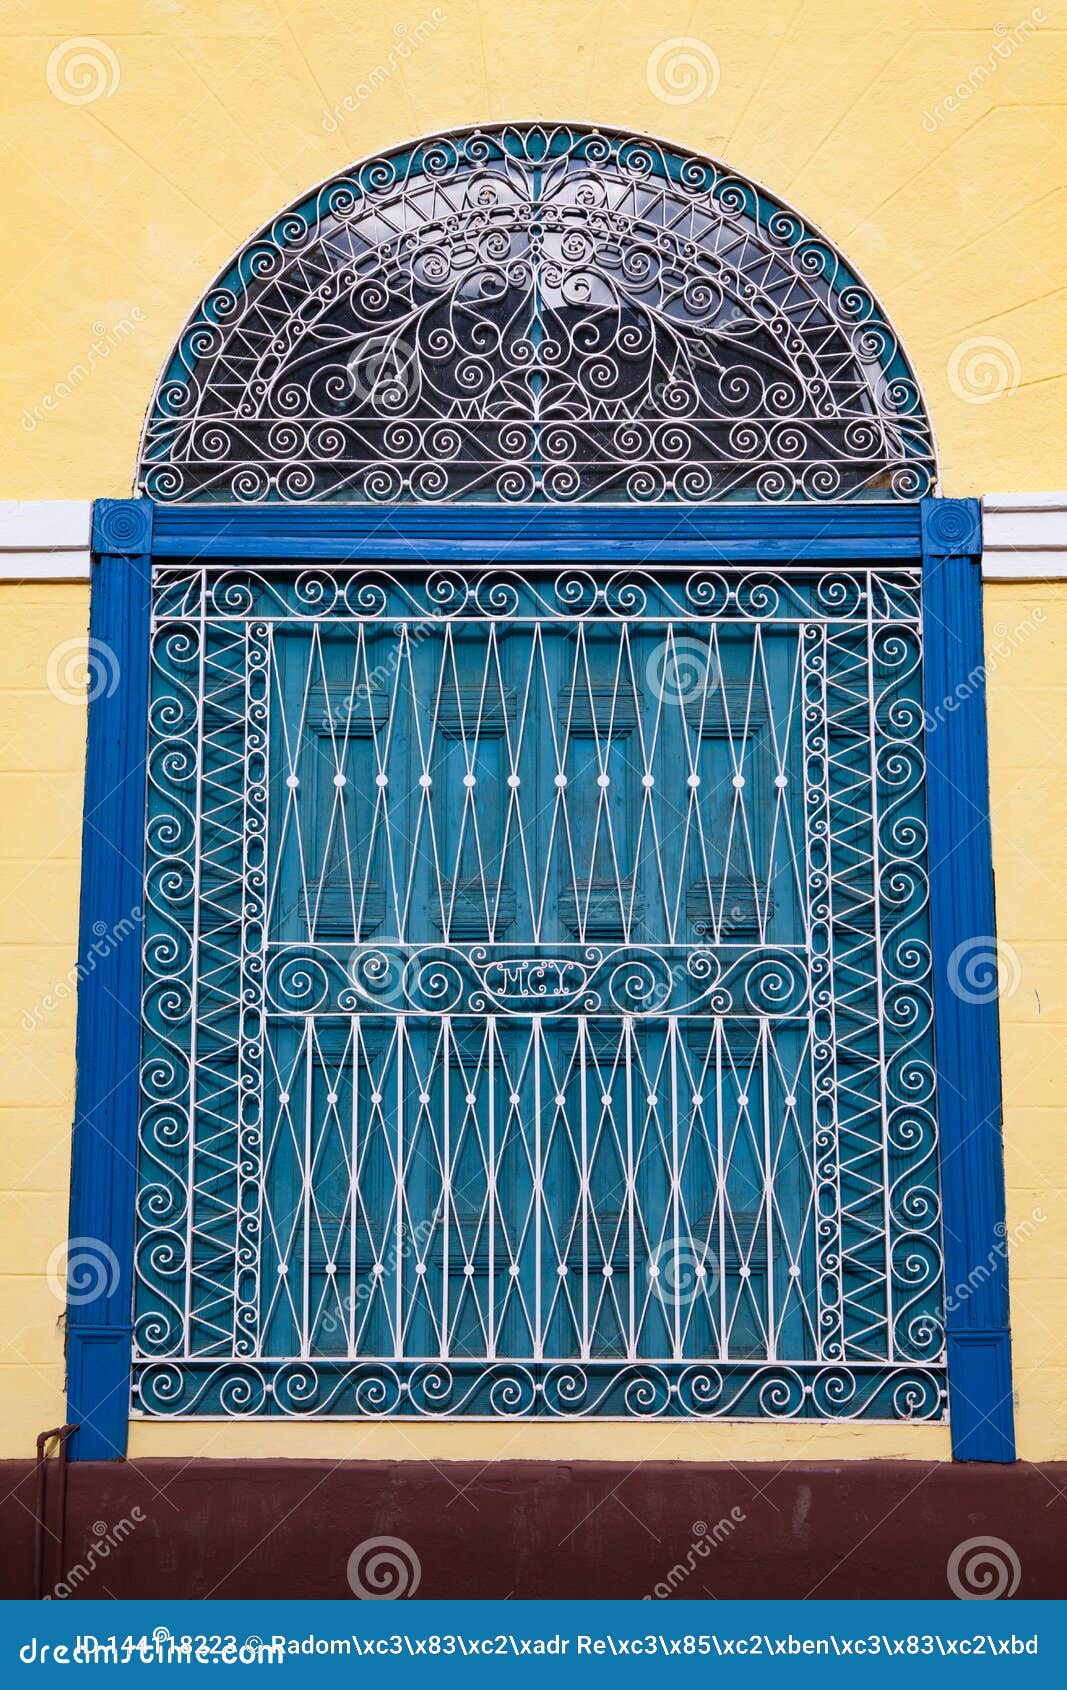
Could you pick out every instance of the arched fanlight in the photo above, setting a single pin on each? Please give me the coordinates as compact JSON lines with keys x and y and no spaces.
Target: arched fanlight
{"x":537,"y":313}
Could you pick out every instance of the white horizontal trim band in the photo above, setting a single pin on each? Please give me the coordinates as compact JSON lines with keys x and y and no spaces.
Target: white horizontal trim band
{"x":1024,"y":502}
{"x":1024,"y":536}
{"x":44,"y":566}
{"x":28,"y":525}
{"x":45,"y":539}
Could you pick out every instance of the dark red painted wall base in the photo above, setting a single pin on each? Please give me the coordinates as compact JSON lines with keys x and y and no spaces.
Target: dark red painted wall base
{"x":533,"y":1529}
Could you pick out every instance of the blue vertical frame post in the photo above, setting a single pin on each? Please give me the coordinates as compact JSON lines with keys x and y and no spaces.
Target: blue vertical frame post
{"x":966,"y":1022}
{"x":103,"y":1178}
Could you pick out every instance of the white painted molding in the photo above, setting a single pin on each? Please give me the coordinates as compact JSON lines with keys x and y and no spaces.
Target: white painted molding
{"x":45,"y":539}
{"x":1024,"y":537}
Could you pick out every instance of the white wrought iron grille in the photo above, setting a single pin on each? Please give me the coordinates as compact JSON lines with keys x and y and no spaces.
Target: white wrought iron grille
{"x":551,"y":313}
{"x":537,"y":1015}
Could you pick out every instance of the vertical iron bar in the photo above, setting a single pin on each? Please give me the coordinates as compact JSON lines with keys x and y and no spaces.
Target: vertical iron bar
{"x":631,"y":1187}
{"x":401,"y":1183}
{"x":446,"y":1180}
{"x":538,"y":1191}
{"x":584,"y":1189}
{"x":491,"y":1198}
{"x":768,"y":1177}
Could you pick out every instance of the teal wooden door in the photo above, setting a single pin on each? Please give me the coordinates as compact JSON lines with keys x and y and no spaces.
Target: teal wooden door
{"x":540,"y":849}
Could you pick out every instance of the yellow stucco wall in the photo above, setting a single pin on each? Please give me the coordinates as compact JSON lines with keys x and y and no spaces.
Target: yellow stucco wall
{"x":928,"y":141}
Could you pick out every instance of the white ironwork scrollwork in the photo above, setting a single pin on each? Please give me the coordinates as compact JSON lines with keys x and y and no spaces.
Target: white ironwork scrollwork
{"x":470,"y":1088}
{"x":548,"y":313}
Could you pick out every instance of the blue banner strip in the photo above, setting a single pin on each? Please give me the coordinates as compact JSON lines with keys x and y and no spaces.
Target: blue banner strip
{"x":436,"y":1643}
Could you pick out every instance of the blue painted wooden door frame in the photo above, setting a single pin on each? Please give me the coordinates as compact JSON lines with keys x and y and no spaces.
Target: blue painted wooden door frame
{"x":945,"y":534}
